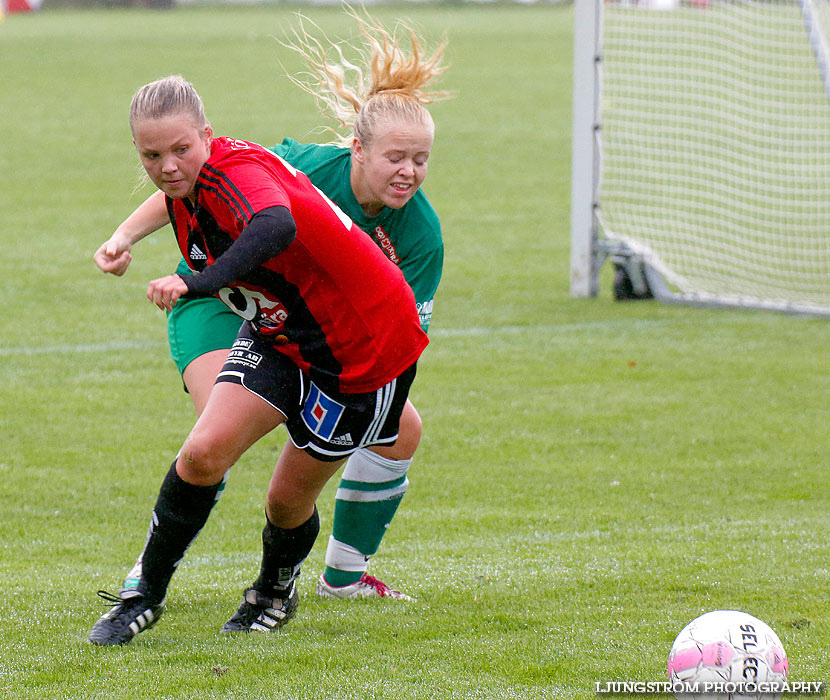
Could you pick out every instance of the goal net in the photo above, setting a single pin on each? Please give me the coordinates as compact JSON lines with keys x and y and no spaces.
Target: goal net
{"x":711,"y":149}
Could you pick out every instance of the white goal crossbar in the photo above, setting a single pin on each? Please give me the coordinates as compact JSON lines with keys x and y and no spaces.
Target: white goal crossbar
{"x":701,"y":150}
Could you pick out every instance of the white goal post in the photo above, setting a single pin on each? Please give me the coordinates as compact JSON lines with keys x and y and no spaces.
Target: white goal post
{"x":701,"y":151}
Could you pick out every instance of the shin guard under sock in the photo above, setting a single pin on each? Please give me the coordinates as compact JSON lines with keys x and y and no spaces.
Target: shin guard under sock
{"x":367,"y":499}
{"x":283,"y":552}
{"x":181,"y":511}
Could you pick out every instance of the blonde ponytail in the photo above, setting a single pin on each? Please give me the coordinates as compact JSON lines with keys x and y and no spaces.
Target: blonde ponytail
{"x":387,"y":81}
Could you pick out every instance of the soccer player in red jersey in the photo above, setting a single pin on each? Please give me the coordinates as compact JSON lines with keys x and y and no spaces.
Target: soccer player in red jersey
{"x":328,"y":347}
{"x":373,"y":171}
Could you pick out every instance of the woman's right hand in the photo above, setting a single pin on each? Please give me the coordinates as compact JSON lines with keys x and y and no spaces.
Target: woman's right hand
{"x":114,"y":255}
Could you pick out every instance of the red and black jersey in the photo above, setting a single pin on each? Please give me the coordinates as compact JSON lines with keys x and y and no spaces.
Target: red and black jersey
{"x":331,"y":301}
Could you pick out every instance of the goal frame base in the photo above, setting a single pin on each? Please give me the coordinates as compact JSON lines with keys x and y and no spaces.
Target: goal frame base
{"x":647,"y":282}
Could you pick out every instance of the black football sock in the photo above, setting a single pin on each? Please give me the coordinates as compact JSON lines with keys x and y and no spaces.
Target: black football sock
{"x":181,"y":511}
{"x":283,"y":552}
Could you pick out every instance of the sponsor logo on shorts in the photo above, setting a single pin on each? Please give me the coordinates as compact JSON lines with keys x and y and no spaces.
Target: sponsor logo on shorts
{"x":241,"y":354}
{"x":321,"y":413}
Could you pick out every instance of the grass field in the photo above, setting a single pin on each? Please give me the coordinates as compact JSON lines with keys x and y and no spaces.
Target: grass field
{"x":593,"y":475}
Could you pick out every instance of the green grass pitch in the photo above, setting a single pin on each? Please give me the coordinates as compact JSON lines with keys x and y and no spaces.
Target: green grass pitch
{"x":593,"y":475}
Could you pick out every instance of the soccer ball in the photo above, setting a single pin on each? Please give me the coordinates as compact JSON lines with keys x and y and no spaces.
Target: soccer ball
{"x":727,"y":655}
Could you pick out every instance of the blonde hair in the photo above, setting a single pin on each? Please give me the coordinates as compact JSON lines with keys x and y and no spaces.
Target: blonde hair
{"x":388,"y":82}
{"x":166,"y":97}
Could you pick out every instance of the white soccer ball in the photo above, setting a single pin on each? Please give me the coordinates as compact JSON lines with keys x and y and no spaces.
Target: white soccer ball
{"x":727,"y":655}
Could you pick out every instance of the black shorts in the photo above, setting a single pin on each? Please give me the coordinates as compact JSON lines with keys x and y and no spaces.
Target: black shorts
{"x":329,"y":425}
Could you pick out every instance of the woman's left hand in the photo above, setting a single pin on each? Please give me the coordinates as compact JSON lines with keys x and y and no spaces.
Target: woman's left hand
{"x":165,"y":291}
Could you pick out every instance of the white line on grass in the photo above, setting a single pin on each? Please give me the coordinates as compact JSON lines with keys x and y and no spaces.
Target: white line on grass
{"x":144,"y":344}
{"x":558,"y":328}
{"x":82,"y":347}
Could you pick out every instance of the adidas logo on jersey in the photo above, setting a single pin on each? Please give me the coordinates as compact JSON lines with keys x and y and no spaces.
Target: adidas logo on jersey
{"x":342,"y":440}
{"x":196,"y":253}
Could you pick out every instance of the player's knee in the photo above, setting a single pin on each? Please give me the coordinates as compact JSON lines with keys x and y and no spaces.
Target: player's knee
{"x":285,"y":512}
{"x":409,"y":435}
{"x":201,"y":462}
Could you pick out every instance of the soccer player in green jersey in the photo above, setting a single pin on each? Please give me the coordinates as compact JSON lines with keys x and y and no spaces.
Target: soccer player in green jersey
{"x":374,"y":174}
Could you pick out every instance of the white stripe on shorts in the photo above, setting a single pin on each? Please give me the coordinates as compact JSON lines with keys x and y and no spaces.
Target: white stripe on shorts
{"x":383,"y":404}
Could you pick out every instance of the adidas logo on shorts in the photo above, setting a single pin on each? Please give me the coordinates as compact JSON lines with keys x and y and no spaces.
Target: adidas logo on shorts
{"x":342,"y":440}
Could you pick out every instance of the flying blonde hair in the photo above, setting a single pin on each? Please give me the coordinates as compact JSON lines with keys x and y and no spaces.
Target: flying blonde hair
{"x":387,"y":83}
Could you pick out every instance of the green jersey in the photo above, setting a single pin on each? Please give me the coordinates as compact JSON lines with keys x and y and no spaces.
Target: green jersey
{"x":410,"y":236}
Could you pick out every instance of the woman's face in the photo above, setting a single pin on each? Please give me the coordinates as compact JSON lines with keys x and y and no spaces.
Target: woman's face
{"x":393,"y":165}
{"x":172,"y":150}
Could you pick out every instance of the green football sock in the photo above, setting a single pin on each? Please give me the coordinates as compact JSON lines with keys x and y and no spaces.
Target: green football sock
{"x":367,"y":499}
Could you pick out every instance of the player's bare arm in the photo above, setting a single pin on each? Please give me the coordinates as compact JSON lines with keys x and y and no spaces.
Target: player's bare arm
{"x":114,"y":255}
